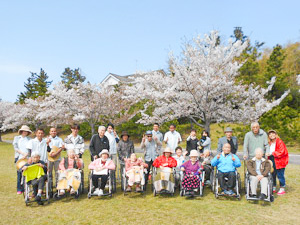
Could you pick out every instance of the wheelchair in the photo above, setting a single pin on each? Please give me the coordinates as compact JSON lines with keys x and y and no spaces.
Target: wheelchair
{"x":237,"y":188}
{"x":125,"y":182}
{"x":169,"y":182}
{"x":109,"y":187}
{"x":197,"y":192}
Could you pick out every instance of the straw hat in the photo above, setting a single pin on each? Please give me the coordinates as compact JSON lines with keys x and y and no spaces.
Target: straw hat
{"x":194,"y":153}
{"x":272,"y":131}
{"x":167,"y":150}
{"x":104,"y":151}
{"x":20,"y":163}
{"x":25,"y":128}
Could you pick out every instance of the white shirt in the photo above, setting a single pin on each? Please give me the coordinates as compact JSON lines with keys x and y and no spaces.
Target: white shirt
{"x":272,"y":148}
{"x":20,"y":144}
{"x":112,"y":142}
{"x":38,"y":146}
{"x":173,"y":138}
{"x":56,"y":141}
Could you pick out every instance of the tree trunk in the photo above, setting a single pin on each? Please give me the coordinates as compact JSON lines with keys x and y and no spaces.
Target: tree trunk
{"x":207,"y":126}
{"x":0,"y":136}
{"x":92,"y":125}
{"x":192,"y":126}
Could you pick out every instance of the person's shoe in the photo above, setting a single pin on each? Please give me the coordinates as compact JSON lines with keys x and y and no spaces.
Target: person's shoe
{"x":19,"y":192}
{"x":100,"y":192}
{"x":38,"y":198}
{"x":262,"y":197}
{"x":274,"y":189}
{"x":40,"y":203}
{"x":96,"y":192}
{"x":72,"y":192}
{"x":230,"y":192}
{"x":62,"y":192}
{"x":128,"y":189}
{"x":224,"y":192}
{"x":252,"y":196}
{"x":281,"y":191}
{"x":138,"y":189}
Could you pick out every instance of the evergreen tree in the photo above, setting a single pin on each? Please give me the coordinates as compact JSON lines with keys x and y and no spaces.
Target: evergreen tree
{"x":70,"y":77}
{"x":37,"y":85}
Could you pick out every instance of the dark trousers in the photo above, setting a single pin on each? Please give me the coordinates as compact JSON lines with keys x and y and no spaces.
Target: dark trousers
{"x":19,"y":181}
{"x":280,"y":175}
{"x":227,"y":185}
{"x":95,"y":179}
{"x":207,"y":170}
{"x":150,"y":165}
{"x":274,"y":174}
{"x":38,"y":184}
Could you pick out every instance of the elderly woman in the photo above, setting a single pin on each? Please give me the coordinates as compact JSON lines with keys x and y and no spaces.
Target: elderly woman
{"x":192,"y":169}
{"x":101,"y":166}
{"x":164,"y":163}
{"x":259,"y":168}
{"x":36,"y":175}
{"x":69,"y":176}
{"x":134,"y":168}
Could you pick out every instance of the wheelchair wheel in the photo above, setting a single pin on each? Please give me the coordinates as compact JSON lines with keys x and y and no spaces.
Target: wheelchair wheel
{"x":89,"y":195}
{"x":154,"y":192}
{"x":272,"y":198}
{"x":181,"y":193}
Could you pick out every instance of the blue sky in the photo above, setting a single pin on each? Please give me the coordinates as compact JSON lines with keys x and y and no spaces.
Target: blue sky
{"x":102,"y":37}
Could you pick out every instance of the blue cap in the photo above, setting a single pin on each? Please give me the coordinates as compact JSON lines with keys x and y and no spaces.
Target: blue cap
{"x":148,"y":132}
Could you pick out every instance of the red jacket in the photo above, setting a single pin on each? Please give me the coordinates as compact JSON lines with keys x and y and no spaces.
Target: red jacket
{"x":281,"y":155}
{"x":159,"y":161}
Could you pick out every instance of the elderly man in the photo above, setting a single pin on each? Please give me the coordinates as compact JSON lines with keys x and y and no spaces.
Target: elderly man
{"x":226,"y":164}
{"x":69,"y":175}
{"x":228,"y":138}
{"x":98,"y":143}
{"x":151,"y":146}
{"x":259,"y":168}
{"x":256,"y":138}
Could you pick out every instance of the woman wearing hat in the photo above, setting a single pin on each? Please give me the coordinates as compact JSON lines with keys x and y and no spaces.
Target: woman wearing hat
{"x":21,"y":152}
{"x":164,"y":163}
{"x":280,"y":157}
{"x":101,"y":166}
{"x":192,"y":169}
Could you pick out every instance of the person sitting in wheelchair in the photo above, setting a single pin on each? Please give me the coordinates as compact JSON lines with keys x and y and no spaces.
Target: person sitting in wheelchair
{"x":259,"y":169}
{"x":226,"y":164}
{"x":69,"y":176}
{"x":101,"y":167}
{"x":192,"y":170}
{"x":134,"y":169}
{"x":36,"y":175}
{"x":205,"y":159}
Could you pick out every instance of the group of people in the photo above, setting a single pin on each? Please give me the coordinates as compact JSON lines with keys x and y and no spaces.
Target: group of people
{"x":261,"y":150}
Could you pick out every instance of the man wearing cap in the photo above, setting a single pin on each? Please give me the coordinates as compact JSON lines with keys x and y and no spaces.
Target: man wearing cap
{"x":125,"y":148}
{"x":21,"y":152}
{"x":256,"y":138}
{"x":98,"y":143}
{"x":101,"y":166}
{"x":39,"y":144}
{"x":172,"y":138}
{"x":75,"y":141}
{"x":158,"y":134}
{"x":151,"y":146}
{"x":54,"y":146}
{"x":228,"y":138}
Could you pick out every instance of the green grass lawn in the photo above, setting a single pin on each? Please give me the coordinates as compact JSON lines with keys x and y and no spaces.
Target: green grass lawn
{"x":145,"y":209}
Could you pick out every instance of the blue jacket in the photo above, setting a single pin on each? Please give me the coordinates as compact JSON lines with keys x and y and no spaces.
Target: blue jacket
{"x":225,"y":164}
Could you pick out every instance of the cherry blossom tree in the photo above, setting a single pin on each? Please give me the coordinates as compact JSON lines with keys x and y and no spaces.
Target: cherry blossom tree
{"x":5,"y":108}
{"x":202,"y":86}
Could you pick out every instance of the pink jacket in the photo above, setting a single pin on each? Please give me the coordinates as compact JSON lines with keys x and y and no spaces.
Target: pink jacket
{"x":109,"y":164}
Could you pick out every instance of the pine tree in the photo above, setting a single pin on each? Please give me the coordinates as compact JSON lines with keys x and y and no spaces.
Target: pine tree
{"x":70,"y":77}
{"x":37,"y":85}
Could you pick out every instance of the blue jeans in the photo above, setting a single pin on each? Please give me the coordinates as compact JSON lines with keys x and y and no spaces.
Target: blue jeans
{"x":280,"y":175}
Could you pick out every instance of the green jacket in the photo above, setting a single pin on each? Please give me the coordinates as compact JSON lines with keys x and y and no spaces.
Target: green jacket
{"x":251,"y":142}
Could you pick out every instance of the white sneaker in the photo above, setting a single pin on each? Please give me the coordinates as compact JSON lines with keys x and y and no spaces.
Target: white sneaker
{"x":100,"y":192}
{"x":96,"y":192}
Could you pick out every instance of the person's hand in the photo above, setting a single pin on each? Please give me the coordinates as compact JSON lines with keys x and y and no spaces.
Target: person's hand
{"x":178,"y":140}
{"x":48,"y":140}
{"x":268,"y":154}
{"x":115,"y":133}
{"x":95,"y":156}
{"x":232,"y":157}
{"x":182,"y":169}
{"x":219,"y":155}
{"x":245,"y":157}
{"x":143,"y":139}
{"x":40,"y":165}
{"x":259,"y":177}
{"x":76,"y":157}
{"x":184,"y":153}
{"x":155,"y":138}
{"x":98,"y":169}
{"x":167,"y":139}
{"x":161,"y":167}
{"x":63,"y":147}
{"x":24,"y":168}
{"x":203,"y":163}
{"x":165,"y":164}
{"x":29,"y":160}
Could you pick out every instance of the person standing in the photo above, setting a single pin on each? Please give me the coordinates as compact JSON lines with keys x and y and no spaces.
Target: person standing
{"x":21,"y":152}
{"x":98,"y":143}
{"x":38,"y":144}
{"x":151,"y":146}
{"x":172,"y":138}
{"x":228,"y":138}
{"x":256,"y":138}
{"x":280,"y":157}
{"x":75,"y":142}
{"x":54,"y":146}
{"x":158,"y":134}
{"x":192,"y":142}
{"x":205,"y":142}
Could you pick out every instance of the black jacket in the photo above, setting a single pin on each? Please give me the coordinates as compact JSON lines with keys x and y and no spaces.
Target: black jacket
{"x":191,"y":145}
{"x":97,"y":144}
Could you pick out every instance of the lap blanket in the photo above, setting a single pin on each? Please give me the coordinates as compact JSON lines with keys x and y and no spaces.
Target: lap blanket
{"x":69,"y":178}
{"x":164,"y":180}
{"x":136,"y":175}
